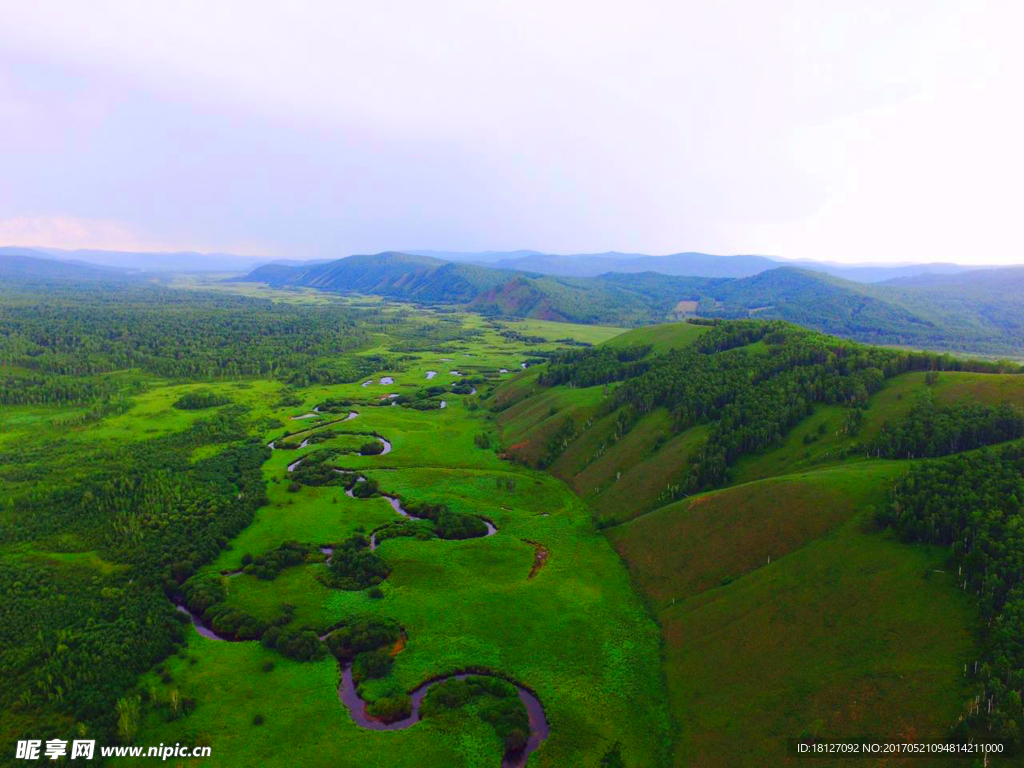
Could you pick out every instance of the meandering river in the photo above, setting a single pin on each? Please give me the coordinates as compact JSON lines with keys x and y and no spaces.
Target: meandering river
{"x":347,"y":691}
{"x":539,"y":729}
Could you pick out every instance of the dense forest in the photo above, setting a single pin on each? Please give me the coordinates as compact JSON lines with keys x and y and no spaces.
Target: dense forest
{"x":56,"y":341}
{"x":71,"y":640}
{"x":93,"y":344}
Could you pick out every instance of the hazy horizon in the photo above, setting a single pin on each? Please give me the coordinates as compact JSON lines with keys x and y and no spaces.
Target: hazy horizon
{"x":245,"y":260}
{"x":798,"y":131}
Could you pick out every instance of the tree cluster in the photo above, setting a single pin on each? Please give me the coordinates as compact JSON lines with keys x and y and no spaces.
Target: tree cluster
{"x":494,"y":701}
{"x":930,"y":429}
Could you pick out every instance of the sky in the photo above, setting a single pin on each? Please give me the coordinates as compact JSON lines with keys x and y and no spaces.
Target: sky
{"x":843,"y":131}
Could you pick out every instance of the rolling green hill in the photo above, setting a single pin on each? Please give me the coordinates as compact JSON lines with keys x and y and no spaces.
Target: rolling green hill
{"x":389,"y":274}
{"x":785,"y":609}
{"x":923,"y":312}
{"x":639,"y":299}
{"x":829,"y":304}
{"x":981,"y":311}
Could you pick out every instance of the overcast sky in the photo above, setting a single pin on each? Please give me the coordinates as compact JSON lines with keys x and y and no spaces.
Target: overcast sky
{"x":850,"y":131}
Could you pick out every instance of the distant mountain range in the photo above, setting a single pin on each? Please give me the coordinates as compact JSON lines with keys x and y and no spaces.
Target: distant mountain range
{"x":979,"y":311}
{"x":690,"y":263}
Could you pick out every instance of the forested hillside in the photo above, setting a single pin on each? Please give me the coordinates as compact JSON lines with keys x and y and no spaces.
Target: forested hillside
{"x":689,"y":263}
{"x":488,"y":290}
{"x":753,"y":382}
{"x":418,"y":278}
{"x":745,"y":471}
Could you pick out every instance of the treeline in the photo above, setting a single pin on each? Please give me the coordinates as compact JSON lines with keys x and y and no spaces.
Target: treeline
{"x":588,"y":366}
{"x":974,"y":505}
{"x":930,"y":429}
{"x":198,"y":399}
{"x":35,"y":389}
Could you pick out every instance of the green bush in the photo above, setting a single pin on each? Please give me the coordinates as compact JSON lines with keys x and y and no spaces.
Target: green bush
{"x":268,"y":565}
{"x":418,"y":529}
{"x":301,"y":645}
{"x":390,"y":708}
{"x":365,"y":489}
{"x":371,"y":665}
{"x":199,"y":399}
{"x":362,"y":633}
{"x":495,"y":701}
{"x":448,"y":524}
{"x":353,"y":566}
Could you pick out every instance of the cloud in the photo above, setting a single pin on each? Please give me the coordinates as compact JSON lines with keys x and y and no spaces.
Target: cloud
{"x":73,"y":232}
{"x":851,"y":131}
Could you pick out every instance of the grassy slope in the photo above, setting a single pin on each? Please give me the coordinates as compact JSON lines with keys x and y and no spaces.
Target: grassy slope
{"x":682,"y":549}
{"x":528,"y":425}
{"x":854,"y":634}
{"x":629,"y":476}
{"x":847,"y":632}
{"x":576,"y":634}
{"x":663,"y":337}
